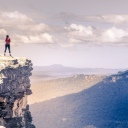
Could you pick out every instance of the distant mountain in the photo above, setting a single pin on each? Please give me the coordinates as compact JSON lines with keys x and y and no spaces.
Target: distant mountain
{"x":54,"y":71}
{"x":57,"y":68}
{"x":104,"y":105}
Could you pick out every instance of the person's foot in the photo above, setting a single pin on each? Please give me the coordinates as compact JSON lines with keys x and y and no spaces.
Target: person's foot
{"x":4,"y":55}
{"x":10,"y":55}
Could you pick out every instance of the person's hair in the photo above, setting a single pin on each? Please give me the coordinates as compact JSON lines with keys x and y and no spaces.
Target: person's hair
{"x":7,"y":36}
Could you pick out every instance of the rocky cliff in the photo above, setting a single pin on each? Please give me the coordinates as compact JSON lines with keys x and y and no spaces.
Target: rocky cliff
{"x":14,"y":89}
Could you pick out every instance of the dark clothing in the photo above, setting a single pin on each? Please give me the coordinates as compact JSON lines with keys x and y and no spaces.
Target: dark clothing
{"x":7,"y":46}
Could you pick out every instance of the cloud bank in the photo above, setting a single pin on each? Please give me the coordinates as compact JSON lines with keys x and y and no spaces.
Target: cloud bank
{"x":25,"y":30}
{"x":97,"y":36}
{"x":115,"y":19}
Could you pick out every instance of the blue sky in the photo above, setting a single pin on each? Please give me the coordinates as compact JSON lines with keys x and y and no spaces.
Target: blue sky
{"x":75,"y":33}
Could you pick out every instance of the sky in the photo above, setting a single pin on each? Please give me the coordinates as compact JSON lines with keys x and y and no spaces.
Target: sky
{"x":75,"y":33}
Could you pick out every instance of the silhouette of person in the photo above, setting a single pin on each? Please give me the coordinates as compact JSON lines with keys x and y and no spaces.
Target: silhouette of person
{"x":7,"y":45}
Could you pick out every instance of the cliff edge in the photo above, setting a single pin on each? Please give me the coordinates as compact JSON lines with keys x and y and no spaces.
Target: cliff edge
{"x":14,"y":88}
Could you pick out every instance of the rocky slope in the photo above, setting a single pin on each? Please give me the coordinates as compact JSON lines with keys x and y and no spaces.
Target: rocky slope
{"x":50,"y":89}
{"x":103,"y":105}
{"x":14,"y":89}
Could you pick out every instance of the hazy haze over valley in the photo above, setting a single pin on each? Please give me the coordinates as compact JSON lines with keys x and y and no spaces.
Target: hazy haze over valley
{"x":41,"y":73}
{"x":56,"y":80}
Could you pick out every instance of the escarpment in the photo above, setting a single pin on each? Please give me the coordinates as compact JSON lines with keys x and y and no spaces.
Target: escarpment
{"x":14,"y":89}
{"x":117,"y":78}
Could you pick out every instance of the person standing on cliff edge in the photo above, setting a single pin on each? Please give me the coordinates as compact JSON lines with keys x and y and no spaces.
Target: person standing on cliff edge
{"x":7,"y":45}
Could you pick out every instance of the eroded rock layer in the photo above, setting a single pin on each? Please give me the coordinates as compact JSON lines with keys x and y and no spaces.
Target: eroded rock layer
{"x":14,"y":88}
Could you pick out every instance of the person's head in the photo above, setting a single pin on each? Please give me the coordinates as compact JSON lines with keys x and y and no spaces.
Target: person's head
{"x":7,"y":36}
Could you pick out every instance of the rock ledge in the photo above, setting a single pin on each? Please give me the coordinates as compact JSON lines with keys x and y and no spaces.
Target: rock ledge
{"x":14,"y":88}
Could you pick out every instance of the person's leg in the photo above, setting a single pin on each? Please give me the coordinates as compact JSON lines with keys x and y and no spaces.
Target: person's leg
{"x":7,"y":46}
{"x":9,"y":49}
{"x":5,"y":49}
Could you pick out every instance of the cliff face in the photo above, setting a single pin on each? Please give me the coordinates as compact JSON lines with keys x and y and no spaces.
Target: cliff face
{"x":14,"y":88}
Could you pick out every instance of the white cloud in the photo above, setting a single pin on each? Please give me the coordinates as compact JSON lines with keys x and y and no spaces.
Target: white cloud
{"x":14,"y":18}
{"x":35,"y":28}
{"x":98,"y":36}
{"x":42,"y":38}
{"x":114,"y":35}
{"x":24,"y":30}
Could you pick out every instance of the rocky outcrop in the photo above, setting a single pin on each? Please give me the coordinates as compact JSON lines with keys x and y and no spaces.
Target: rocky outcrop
{"x":14,"y":89}
{"x":120,"y":76}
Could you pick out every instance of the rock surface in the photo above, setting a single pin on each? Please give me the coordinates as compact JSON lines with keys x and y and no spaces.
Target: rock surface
{"x":14,"y":88}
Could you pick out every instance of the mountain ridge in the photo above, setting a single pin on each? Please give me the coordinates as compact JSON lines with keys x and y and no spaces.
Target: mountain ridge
{"x":41,"y":73}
